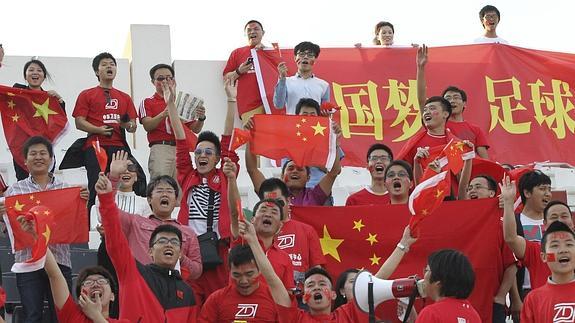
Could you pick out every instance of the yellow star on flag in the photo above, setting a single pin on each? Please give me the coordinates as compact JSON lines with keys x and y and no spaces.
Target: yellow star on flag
{"x":11,"y":104}
{"x":372,"y":239}
{"x":47,"y":233}
{"x":43,"y":110}
{"x":357,"y":225}
{"x":18,"y":207}
{"x":304,"y":139}
{"x":329,"y":245}
{"x":438,"y":193}
{"x":459,"y":145}
{"x":46,"y":212}
{"x":424,"y":212}
{"x":375,"y":259}
{"x":297,"y":125}
{"x":304,"y":120}
{"x":298,"y":133}
{"x":319,"y":129}
{"x":15,"y":118}
{"x":31,"y":197}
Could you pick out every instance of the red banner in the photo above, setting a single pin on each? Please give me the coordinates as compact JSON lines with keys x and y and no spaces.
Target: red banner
{"x":363,"y":237}
{"x":521,"y":98}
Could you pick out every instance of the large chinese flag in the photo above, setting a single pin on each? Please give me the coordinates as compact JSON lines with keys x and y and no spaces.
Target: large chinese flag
{"x":68,"y":209}
{"x":364,"y":236}
{"x":27,"y":113}
{"x":307,"y":140}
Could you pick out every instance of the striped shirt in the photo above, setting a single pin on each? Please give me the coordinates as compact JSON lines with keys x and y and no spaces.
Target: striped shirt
{"x":26,"y":186}
{"x":198,"y":208}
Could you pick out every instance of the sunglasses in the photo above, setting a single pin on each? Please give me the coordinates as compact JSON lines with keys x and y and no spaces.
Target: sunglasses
{"x":164,"y":78}
{"x":207,"y":151}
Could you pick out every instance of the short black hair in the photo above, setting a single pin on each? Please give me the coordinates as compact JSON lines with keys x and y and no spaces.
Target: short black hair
{"x":556,"y":226}
{"x":379,"y":146}
{"x":273,"y":183}
{"x":553,"y":203}
{"x":161,"y":179}
{"x":240,"y":255}
{"x":307,"y":46}
{"x":307,"y":102}
{"x":317,"y":271}
{"x":339,"y":284}
{"x":37,"y":140}
{"x":284,"y":166}
{"x":253,"y":21}
{"x":99,"y":57}
{"x":95,"y":270}
{"x":491,"y":182}
{"x":167,"y":228}
{"x":401,"y":163}
{"x":452,"y":88}
{"x":454,"y":271}
{"x":158,"y":66}
{"x":444,"y":103}
{"x":39,"y":63}
{"x":277,"y":203}
{"x":486,"y":9}
{"x":530,"y":180}
{"x":210,"y":137}
{"x":380,"y":25}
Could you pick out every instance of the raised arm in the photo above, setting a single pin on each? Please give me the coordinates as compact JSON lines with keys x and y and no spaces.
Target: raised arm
{"x":252,"y":162}
{"x":421,"y":86}
{"x":465,"y":175}
{"x":394,"y":259}
{"x":170,"y":97}
{"x":326,"y":182}
{"x":280,"y":91}
{"x":277,"y":289}
{"x":230,"y":170}
{"x":58,"y":284}
{"x":232,"y":93}
{"x":515,"y":242}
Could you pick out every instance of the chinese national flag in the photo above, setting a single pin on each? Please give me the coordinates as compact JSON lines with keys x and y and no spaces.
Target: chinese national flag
{"x":239,"y":138}
{"x":354,"y":237}
{"x":28,"y":113}
{"x":68,"y":209}
{"x":307,"y":140}
{"x":456,"y":152}
{"x":427,"y":197}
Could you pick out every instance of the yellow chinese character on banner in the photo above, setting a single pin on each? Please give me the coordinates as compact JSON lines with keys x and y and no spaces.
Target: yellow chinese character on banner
{"x":403,"y":99}
{"x":502,"y":109}
{"x":361,"y":101}
{"x":556,"y":103}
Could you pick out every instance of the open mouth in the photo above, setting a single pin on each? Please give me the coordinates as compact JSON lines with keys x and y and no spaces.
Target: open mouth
{"x":563,"y":260}
{"x":294,"y":177}
{"x":164,"y":202}
{"x":267,"y":222}
{"x":379,"y":168}
{"x":202,"y":162}
{"x":473,"y":197}
{"x":253,"y":36}
{"x":94,"y":293}
{"x":545,"y":201}
{"x":317,"y":296}
{"x":126,"y":177}
{"x":169,"y":253}
{"x":427,"y":118}
{"x":396,"y":184}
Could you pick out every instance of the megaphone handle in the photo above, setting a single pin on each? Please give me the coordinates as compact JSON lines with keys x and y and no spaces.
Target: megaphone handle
{"x":410,"y":305}
{"x":370,"y":302}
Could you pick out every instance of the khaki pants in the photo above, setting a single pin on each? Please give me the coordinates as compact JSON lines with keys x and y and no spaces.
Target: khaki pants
{"x":162,"y":161}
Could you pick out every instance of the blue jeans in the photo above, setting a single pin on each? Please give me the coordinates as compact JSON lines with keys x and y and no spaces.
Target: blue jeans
{"x":34,"y":288}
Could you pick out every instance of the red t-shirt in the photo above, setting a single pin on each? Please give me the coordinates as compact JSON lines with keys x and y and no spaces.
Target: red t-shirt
{"x":248,"y":91}
{"x":151,"y":107}
{"x":280,"y":261}
{"x":227,"y":305}
{"x":366,"y":197}
{"x":91,"y":104}
{"x":71,"y":313}
{"x":449,"y":310}
{"x":550,"y":303}
{"x":301,"y":242}
{"x":468,"y":131}
{"x":343,"y":314}
{"x":538,"y":270}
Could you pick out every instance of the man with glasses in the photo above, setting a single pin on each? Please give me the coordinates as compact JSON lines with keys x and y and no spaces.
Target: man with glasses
{"x":162,"y":193}
{"x":103,"y":112}
{"x":398,"y":181}
{"x":489,"y":17}
{"x":153,"y":114}
{"x":154,"y":292}
{"x":304,"y":84}
{"x":378,"y":158}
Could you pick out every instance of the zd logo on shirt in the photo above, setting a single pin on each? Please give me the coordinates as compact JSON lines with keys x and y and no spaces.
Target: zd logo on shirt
{"x":286,"y":241}
{"x":247,"y":311}
{"x":564,"y":313}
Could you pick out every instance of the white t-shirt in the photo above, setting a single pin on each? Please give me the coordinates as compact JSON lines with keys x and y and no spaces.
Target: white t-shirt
{"x":533,"y":231}
{"x":487,"y":40}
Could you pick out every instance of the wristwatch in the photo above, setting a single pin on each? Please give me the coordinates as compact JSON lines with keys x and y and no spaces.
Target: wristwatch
{"x":402,"y":247}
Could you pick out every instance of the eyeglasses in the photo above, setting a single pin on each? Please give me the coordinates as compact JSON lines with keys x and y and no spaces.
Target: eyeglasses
{"x":165,"y":191}
{"x":132,"y":168}
{"x":400,"y":174}
{"x":164,"y":78}
{"x":306,"y":54}
{"x":164,"y":241}
{"x":476,"y":187}
{"x":99,"y":281}
{"x":379,"y":158}
{"x":207,"y":151}
{"x":490,"y":16}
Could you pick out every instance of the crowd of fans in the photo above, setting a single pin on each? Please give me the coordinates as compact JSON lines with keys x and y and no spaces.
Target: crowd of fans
{"x":206,"y":262}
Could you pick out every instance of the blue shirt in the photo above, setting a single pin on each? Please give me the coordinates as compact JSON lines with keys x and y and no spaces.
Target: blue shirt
{"x":288,"y":91}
